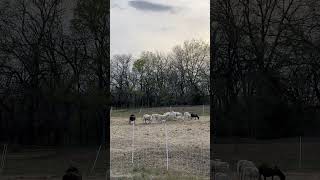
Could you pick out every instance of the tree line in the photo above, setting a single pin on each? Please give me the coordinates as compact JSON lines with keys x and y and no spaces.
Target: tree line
{"x":179,"y":77}
{"x":265,"y":68}
{"x":54,"y":73}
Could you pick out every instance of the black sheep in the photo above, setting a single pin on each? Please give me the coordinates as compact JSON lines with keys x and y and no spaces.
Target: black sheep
{"x":193,"y":115}
{"x":132,"y":119}
{"x":72,"y":173}
{"x":266,"y":171}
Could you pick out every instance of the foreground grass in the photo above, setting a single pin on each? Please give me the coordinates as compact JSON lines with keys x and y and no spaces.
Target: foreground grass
{"x":53,"y":161}
{"x":200,"y":110}
{"x":281,"y":152}
{"x":147,"y":173}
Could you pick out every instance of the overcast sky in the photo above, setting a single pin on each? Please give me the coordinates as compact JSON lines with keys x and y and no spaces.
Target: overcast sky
{"x":156,"y":25}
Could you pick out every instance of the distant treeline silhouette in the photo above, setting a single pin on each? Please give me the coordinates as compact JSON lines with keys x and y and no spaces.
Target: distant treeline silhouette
{"x":54,"y":76}
{"x":180,"y":77}
{"x":265,"y":68}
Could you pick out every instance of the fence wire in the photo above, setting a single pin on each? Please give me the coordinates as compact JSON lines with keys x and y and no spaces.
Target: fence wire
{"x":194,"y":162}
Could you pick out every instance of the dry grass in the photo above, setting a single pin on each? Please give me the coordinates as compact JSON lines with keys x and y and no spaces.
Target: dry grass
{"x":282,"y":152}
{"x":188,"y":142}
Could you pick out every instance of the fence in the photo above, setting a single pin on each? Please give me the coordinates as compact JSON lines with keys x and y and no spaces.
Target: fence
{"x":44,"y":161}
{"x":201,"y":110}
{"x":158,"y":148}
{"x":291,"y":154}
{"x":192,"y":162}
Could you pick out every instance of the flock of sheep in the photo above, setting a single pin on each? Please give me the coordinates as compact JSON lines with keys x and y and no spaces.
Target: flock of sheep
{"x":168,"y":116}
{"x":246,"y":170}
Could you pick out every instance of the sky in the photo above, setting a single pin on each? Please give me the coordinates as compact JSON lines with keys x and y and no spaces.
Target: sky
{"x":156,"y":25}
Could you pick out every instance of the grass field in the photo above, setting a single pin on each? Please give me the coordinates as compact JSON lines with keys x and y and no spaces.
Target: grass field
{"x":281,"y":152}
{"x":188,"y":144}
{"x":186,"y":136}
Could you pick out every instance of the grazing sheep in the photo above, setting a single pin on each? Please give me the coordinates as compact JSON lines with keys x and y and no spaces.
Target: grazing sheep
{"x":242,"y":165}
{"x":179,"y":117}
{"x":146,"y":118}
{"x":155,"y":117}
{"x":172,"y":115}
{"x":187,"y":115}
{"x":250,"y":173}
{"x":239,"y":164}
{"x":162,"y":118}
{"x":132,"y":119}
{"x":220,"y":166}
{"x":221,"y":176}
{"x":266,"y":171}
{"x":178,"y":113}
{"x":72,"y":173}
{"x":194,"y":115}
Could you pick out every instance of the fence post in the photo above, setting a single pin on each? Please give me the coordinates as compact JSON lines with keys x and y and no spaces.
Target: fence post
{"x":165,"y":127}
{"x":132,"y":144}
{"x":3,"y":157}
{"x":94,"y":163}
{"x":203,"y":110}
{"x":300,"y":152}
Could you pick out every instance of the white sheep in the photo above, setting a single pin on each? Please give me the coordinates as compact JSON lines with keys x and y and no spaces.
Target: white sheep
{"x":187,"y":115}
{"x":250,"y":173}
{"x":155,"y":117}
{"x":178,"y":114}
{"x":179,"y":117}
{"x":171,"y":115}
{"x":146,"y":118}
{"x":220,"y":166}
{"x":163,"y":118}
{"x":241,"y":165}
{"x":221,"y":176}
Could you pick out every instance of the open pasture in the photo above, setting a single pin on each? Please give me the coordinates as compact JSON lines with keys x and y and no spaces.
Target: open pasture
{"x":281,"y":152}
{"x":188,"y":143}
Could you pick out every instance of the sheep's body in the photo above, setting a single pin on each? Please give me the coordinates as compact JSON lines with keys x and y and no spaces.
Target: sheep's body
{"x":155,"y":117}
{"x":250,"y":173}
{"x":171,"y":115}
{"x":187,"y":115}
{"x":266,"y":171}
{"x":220,"y":166}
{"x":147,"y":118}
{"x":132,"y":119}
{"x":72,"y":173}
{"x":221,"y":176}
{"x":195,"y":116}
{"x":245,"y":164}
{"x":178,"y":114}
{"x":242,"y":163}
{"x":162,"y":118}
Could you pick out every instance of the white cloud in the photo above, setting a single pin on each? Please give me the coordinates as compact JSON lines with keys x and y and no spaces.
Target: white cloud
{"x":134,"y":30}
